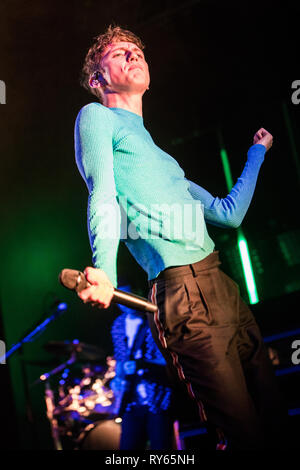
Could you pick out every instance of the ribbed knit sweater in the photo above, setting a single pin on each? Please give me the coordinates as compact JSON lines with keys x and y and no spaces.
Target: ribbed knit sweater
{"x":139,"y":194}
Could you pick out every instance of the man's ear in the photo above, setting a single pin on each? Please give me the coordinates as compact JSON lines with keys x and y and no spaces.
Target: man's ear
{"x":97,"y":80}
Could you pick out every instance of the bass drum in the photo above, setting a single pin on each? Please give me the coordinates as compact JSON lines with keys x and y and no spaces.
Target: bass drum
{"x":102,"y":435}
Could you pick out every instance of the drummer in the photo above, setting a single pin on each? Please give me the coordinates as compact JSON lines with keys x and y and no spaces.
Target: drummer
{"x":140,"y":385}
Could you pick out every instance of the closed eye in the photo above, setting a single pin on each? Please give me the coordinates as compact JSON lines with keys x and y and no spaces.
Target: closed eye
{"x":124,"y":52}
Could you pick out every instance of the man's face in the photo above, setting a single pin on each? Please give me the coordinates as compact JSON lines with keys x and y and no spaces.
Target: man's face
{"x":124,"y":68}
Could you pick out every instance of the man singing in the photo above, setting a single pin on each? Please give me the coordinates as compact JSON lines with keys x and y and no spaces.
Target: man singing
{"x":139,"y":194}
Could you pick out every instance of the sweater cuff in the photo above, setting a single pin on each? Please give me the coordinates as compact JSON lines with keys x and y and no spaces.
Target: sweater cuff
{"x":257,"y":152}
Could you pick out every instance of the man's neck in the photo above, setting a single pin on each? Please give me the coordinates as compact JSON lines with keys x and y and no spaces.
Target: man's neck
{"x":126,"y":101}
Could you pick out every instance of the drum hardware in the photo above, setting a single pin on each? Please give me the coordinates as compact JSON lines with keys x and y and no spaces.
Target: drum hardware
{"x":84,"y":352}
{"x":46,"y":375}
{"x":50,"y":400}
{"x":50,"y":406}
{"x":80,"y":409}
{"x":56,"y":310}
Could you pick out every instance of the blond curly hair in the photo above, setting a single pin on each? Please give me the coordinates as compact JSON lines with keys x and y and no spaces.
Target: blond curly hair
{"x":92,"y":60}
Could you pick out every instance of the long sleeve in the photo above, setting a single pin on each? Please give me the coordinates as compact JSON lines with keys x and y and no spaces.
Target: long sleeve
{"x":94,"y":158}
{"x":231,"y":210}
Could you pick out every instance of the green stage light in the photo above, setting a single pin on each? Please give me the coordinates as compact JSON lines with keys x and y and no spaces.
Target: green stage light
{"x":226,"y":168}
{"x":242,"y":242}
{"x":247,"y":267}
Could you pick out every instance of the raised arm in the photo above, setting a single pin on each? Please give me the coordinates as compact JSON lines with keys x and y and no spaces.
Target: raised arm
{"x":94,"y":157}
{"x":231,"y":210}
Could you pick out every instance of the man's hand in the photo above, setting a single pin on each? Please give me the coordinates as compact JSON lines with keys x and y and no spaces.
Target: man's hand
{"x":101,"y":290}
{"x":263,"y":137}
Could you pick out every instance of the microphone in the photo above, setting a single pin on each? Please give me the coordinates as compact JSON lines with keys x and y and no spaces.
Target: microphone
{"x":76,"y":280}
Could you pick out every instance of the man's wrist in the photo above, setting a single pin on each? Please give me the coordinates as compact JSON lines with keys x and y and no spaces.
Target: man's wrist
{"x":257,"y":152}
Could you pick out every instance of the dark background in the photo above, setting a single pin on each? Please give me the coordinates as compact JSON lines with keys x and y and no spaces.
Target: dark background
{"x":215,"y":66}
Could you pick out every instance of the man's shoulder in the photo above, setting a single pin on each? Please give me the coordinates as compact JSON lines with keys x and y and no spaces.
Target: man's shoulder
{"x":95,"y":120}
{"x":94,"y":111}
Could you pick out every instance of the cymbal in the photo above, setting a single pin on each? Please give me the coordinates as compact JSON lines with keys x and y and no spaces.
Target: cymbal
{"x":83,"y":351}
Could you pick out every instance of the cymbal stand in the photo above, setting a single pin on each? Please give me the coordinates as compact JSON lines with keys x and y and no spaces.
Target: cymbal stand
{"x":46,"y":375}
{"x":50,"y":405}
{"x":50,"y":402}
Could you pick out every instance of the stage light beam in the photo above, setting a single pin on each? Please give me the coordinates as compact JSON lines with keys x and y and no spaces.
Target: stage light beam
{"x":241,"y":239}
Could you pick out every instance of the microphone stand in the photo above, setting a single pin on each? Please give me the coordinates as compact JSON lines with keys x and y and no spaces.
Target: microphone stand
{"x":35,"y":330}
{"x":29,"y":336}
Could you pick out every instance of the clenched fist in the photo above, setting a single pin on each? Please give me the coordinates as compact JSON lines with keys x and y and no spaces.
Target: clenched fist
{"x":101,"y":290}
{"x":263,"y":137}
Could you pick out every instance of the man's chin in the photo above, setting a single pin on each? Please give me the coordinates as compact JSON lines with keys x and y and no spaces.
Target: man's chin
{"x":138,"y":87}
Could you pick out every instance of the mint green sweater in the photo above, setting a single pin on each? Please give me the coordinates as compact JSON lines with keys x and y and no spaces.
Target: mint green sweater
{"x":139,"y":194}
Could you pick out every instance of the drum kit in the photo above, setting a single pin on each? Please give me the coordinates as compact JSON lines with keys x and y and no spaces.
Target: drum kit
{"x":81,"y":407}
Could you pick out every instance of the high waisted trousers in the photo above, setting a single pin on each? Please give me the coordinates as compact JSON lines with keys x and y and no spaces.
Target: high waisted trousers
{"x":209,"y":335}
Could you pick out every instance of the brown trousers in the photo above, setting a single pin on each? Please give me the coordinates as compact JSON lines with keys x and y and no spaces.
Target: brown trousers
{"x":210,"y":336}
